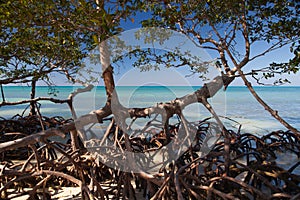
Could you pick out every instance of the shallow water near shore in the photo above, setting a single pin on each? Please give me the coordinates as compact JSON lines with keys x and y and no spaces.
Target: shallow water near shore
{"x":235,"y":103}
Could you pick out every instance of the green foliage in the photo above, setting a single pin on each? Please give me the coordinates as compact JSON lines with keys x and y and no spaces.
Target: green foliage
{"x":155,"y":48}
{"x":41,"y":37}
{"x":35,"y":41}
{"x":266,"y":20}
{"x":154,"y":59}
{"x":290,"y":67}
{"x":269,"y":20}
{"x":45,"y":36}
{"x":230,"y":27}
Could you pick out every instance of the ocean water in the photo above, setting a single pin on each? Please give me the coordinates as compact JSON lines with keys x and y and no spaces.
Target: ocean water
{"x":235,"y":103}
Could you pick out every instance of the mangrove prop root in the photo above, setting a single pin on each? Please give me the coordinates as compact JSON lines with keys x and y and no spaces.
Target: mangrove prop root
{"x":254,"y":169}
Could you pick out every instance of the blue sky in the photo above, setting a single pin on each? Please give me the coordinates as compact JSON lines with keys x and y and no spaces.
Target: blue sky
{"x":280,"y":55}
{"x":125,"y":74}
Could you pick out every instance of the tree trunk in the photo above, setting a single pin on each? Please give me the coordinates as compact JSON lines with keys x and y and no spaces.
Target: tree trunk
{"x":32,"y":96}
{"x":73,"y":133}
{"x":2,"y":93}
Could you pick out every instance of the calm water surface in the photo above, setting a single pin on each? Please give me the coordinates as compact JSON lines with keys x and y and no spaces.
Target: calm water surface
{"x":236,"y":103}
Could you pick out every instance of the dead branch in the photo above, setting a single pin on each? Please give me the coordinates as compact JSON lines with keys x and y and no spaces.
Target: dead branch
{"x":34,"y":101}
{"x":31,"y":139}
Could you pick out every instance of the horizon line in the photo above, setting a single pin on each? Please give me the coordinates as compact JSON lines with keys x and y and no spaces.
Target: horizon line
{"x":150,"y":86}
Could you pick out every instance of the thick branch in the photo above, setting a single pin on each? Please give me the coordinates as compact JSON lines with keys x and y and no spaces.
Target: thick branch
{"x":247,"y":43}
{"x":207,"y":91}
{"x":34,"y":138}
{"x":178,"y":104}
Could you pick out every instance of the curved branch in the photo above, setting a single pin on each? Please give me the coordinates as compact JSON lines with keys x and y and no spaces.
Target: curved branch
{"x":175,"y":106}
{"x":275,"y":46}
{"x":207,"y":91}
{"x":32,"y":139}
{"x":59,"y":174}
{"x":274,"y":113}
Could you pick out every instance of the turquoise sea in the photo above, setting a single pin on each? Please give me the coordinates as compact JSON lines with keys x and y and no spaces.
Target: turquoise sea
{"x":236,"y":103}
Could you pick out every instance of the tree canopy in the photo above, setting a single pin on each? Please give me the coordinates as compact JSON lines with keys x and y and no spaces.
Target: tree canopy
{"x":48,"y":36}
{"x":41,"y":37}
{"x":231,"y":27}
